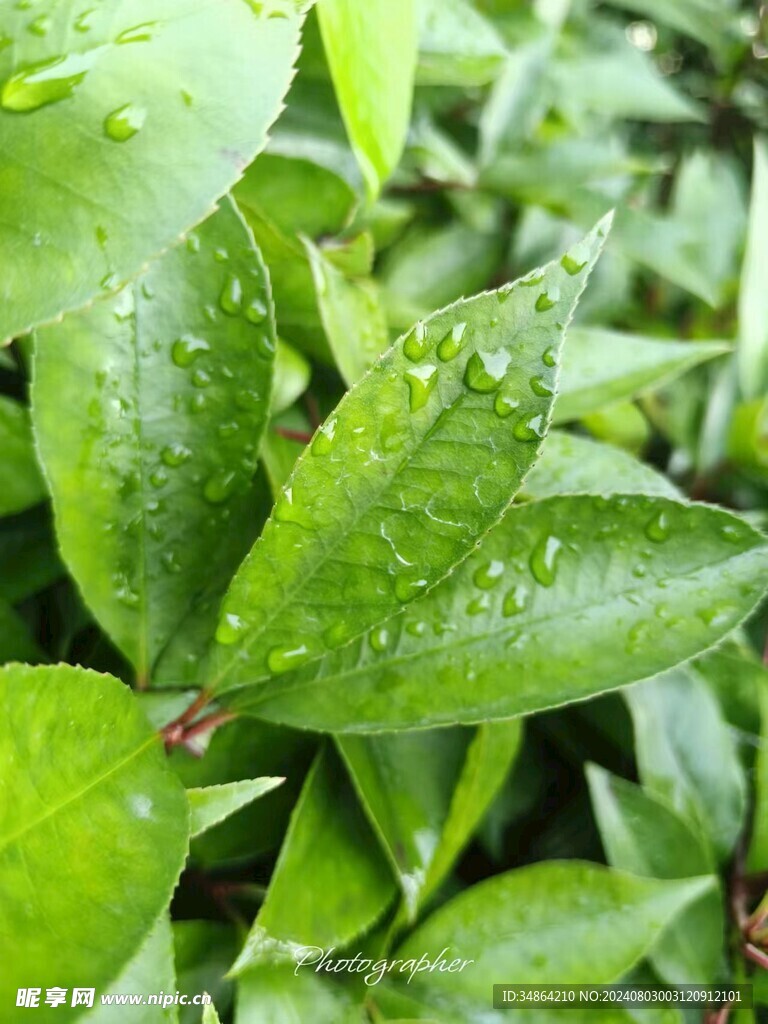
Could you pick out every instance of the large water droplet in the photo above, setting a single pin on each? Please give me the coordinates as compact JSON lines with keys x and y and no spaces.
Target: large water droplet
{"x":489,"y":574}
{"x":549,"y":357}
{"x":416,"y":628}
{"x":406,"y":588}
{"x":504,"y":405}
{"x":379,"y":639}
{"x":478,"y":605}
{"x":547,"y":300}
{"x":187,"y":349}
{"x":540,"y":387}
{"x":571,"y":265}
{"x":200,"y":379}
{"x":283,"y":659}
{"x":45,"y":82}
{"x":158,"y":478}
{"x":515,"y":601}
{"x":323,"y":441}
{"x":219,"y":487}
{"x":543,"y":560}
{"x":657,"y":529}
{"x":529,"y":428}
{"x":125,"y":122}
{"x":231,"y":298}
{"x":452,"y":343}
{"x":421,"y":382}
{"x":175,"y":455}
{"x":416,"y":343}
{"x":230,"y":629}
{"x":485,"y":370}
{"x":256,"y":311}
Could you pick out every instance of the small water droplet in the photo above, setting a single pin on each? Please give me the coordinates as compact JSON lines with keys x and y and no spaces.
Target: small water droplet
{"x":393,"y":432}
{"x":571,"y":265}
{"x":200,"y":379}
{"x":40,"y":26}
{"x":219,"y":487}
{"x":158,"y":478}
{"x":187,"y":349}
{"x":231,"y":298}
{"x":478,"y":605}
{"x":485,"y":370}
{"x":544,"y":558}
{"x":125,"y":122}
{"x":227,"y":430}
{"x":137,"y":33}
{"x":230,"y":629}
{"x":421,"y":382}
{"x":540,"y":387}
{"x":323,"y":441}
{"x":45,"y":82}
{"x":531,"y":281}
{"x":83,"y":21}
{"x":638,"y":637}
{"x":379,"y":639}
{"x":489,"y":574}
{"x":416,"y":628}
{"x":731,"y":533}
{"x":247,"y":400}
{"x":175,"y":455}
{"x":256,"y":310}
{"x":416,"y":343}
{"x":452,"y":343}
{"x":639,"y":570}
{"x":547,"y":300}
{"x":504,"y":405}
{"x":529,"y":428}
{"x":718,"y":615}
{"x":406,"y":588}
{"x":515,"y":601}
{"x":197,"y":403}
{"x":657,"y":529}
{"x":503,"y":293}
{"x":283,"y":659}
{"x":193,"y":243}
{"x":549,"y":357}
{"x":265,"y":346}
{"x":170,"y":562}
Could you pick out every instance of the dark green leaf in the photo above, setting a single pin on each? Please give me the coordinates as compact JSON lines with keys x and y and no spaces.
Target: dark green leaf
{"x":210,"y":805}
{"x":21,"y":484}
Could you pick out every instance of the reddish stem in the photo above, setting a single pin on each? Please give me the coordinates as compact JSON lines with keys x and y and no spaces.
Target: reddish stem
{"x":757,"y":956}
{"x":294,"y":435}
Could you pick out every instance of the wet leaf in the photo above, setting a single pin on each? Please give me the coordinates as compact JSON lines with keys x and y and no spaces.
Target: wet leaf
{"x":210,"y":805}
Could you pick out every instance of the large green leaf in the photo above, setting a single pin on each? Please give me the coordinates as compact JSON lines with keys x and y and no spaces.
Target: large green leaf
{"x":284,"y":995}
{"x":564,"y":599}
{"x":21,"y":484}
{"x":565,"y":923}
{"x":687,"y":756}
{"x":148,"y":409}
{"x":89,"y":800}
{"x":644,"y":835}
{"x":425,"y":793}
{"x":757,"y":858}
{"x":601,"y":367}
{"x":753,"y":295}
{"x":417,"y":462}
{"x":330,"y":883}
{"x":210,"y":805}
{"x":371,"y":51}
{"x":572,"y":464}
{"x":457,"y":45}
{"x":121,"y":125}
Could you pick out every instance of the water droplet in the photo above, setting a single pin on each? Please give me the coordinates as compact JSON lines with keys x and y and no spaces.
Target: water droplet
{"x":230,"y":629}
{"x":571,"y":265}
{"x":547,"y":300}
{"x":549,"y":357}
{"x":45,"y":82}
{"x":83,"y":21}
{"x":170,"y":562}
{"x":639,"y":570}
{"x":219,"y":487}
{"x":256,"y":311}
{"x":657,"y":529}
{"x":197,"y":403}
{"x":323,"y":441}
{"x":416,"y":628}
{"x":544,"y":557}
{"x":505,"y":405}
{"x":200,"y":379}
{"x":406,"y":589}
{"x":231,"y":298}
{"x":731,"y":533}
{"x":452,"y":343}
{"x":485,"y":370}
{"x":540,"y":387}
{"x":529,"y":428}
{"x":265,"y":346}
{"x":531,"y":281}
{"x":515,"y":601}
{"x":478,"y":605}
{"x":416,"y":344}
{"x":193,"y":243}
{"x":175,"y":455}
{"x":227,"y":430}
{"x":40,"y":26}
{"x":137,"y":34}
{"x":379,"y":639}
{"x":393,"y":432}
{"x":638,"y":637}
{"x":503,"y":293}
{"x":718,"y":615}
{"x":125,"y":122}
{"x":421,"y":381}
{"x":158,"y":478}
{"x":488,"y":575}
{"x":247,"y":400}
{"x":187,"y":349}
{"x":283,"y":659}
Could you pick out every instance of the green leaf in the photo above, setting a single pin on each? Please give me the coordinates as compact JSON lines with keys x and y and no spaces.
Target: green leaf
{"x":352,"y":316}
{"x":686,"y":755}
{"x":705,"y":20}
{"x":94,"y":801}
{"x":757,"y":857}
{"x":292,"y":374}
{"x":150,"y":971}
{"x":571,"y":464}
{"x":210,"y":805}
{"x":203,"y":951}
{"x":393,"y":492}
{"x":557,"y":922}
{"x":210,"y":1016}
{"x":310,"y":901}
{"x":601,"y":367}
{"x":522,"y":625}
{"x":643,"y":835}
{"x":457,"y":45}
{"x":28,"y":555}
{"x":276,"y":995}
{"x":16,"y":643}
{"x":21,"y":484}
{"x":371,"y":53}
{"x":753,"y":295}
{"x":148,"y":409}
{"x":126,"y":146}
